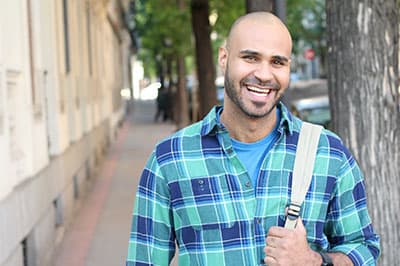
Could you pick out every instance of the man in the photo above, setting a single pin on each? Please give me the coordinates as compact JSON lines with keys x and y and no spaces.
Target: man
{"x":162,"y":104}
{"x":219,"y":189}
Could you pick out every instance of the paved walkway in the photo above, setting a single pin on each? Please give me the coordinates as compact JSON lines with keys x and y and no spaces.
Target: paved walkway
{"x":99,"y":234}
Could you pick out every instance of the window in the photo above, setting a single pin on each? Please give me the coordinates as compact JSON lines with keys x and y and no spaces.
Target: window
{"x":1,"y":104}
{"x":58,"y":212}
{"x":89,"y":38}
{"x":29,"y":250}
{"x":38,"y":77}
{"x":76,"y":187}
{"x":66,"y":37}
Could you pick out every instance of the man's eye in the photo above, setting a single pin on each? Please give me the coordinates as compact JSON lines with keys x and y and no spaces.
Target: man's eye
{"x":250,"y":58}
{"x":278,"y":62}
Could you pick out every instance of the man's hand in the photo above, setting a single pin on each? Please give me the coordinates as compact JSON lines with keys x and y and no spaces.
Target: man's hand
{"x":289,"y":247}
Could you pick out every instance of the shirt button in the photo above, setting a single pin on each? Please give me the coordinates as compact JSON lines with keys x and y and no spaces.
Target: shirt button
{"x":258,"y":220}
{"x":248,"y":184}
{"x":229,"y":150}
{"x":201,"y":182}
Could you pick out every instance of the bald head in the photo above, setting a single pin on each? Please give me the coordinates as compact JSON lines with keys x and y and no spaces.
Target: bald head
{"x":256,"y":65}
{"x":256,"y":19}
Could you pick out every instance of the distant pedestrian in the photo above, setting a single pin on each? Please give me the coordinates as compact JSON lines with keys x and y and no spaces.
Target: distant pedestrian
{"x":162,"y":104}
{"x":219,"y":189}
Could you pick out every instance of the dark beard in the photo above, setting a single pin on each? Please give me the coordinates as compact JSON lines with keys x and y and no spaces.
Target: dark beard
{"x":234,"y":96}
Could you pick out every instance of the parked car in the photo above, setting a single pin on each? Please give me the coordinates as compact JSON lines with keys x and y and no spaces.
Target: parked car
{"x":313,"y":109}
{"x":219,"y":84}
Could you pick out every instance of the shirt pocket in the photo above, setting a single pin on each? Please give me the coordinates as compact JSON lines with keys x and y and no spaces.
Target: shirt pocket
{"x":203,"y":203}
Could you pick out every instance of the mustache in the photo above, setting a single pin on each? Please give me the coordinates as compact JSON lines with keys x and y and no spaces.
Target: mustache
{"x":256,"y":81}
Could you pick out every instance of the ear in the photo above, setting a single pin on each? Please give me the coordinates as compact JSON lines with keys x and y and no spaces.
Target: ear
{"x":222,"y":58}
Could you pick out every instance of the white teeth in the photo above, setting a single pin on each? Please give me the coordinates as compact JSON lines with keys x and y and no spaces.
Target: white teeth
{"x":258,"y":90}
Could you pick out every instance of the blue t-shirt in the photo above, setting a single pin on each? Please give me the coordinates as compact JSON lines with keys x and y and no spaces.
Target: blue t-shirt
{"x":252,"y":154}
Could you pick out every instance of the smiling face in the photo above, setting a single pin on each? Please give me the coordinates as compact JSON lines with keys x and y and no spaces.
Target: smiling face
{"x":256,"y":65}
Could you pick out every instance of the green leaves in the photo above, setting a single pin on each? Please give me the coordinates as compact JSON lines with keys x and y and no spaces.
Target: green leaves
{"x":164,"y":28}
{"x":306,"y":20}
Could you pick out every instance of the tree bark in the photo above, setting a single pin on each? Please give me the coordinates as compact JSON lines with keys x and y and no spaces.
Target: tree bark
{"x":183,"y":107}
{"x":204,"y":55}
{"x":279,"y":7}
{"x":182,"y":118}
{"x":363,"y":80}
{"x":171,"y":109}
{"x":259,"y":5}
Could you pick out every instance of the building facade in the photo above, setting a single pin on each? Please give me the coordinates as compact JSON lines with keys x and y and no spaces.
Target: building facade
{"x":62,"y":66}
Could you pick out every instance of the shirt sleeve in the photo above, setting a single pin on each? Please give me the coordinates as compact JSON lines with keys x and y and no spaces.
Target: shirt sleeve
{"x":151,"y":241}
{"x":348,"y":223}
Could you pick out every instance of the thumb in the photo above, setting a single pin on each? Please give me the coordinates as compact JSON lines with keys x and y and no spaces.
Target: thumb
{"x":300,"y":226}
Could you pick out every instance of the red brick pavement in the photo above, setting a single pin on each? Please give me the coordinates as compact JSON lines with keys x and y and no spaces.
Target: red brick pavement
{"x":99,"y":234}
{"x":75,"y":246}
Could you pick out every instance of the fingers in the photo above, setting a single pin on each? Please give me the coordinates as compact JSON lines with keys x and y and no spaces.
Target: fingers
{"x":277,"y":231}
{"x":270,"y":259}
{"x":273,"y":250}
{"x":271,"y":241}
{"x":281,"y":242}
{"x":300,"y":229}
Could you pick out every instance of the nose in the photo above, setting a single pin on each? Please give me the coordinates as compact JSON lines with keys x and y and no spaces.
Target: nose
{"x":264,"y":72}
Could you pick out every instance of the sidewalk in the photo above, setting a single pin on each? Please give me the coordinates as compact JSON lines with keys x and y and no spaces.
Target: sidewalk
{"x":100,"y":233}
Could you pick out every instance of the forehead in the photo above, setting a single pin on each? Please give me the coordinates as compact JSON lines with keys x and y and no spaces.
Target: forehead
{"x":265,"y":37}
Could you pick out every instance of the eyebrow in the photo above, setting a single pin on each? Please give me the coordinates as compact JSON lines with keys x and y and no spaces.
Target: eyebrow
{"x":251,"y":52}
{"x":281,"y":58}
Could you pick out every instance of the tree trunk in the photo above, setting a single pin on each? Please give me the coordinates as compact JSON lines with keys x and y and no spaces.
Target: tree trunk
{"x":182,"y":116}
{"x":183,"y":107}
{"x":259,"y":5}
{"x":160,"y":72}
{"x":363,"y":80}
{"x":171,"y":109}
{"x":204,"y":55}
{"x":280,"y":9}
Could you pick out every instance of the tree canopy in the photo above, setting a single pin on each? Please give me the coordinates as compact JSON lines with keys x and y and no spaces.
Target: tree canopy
{"x":163,"y":29}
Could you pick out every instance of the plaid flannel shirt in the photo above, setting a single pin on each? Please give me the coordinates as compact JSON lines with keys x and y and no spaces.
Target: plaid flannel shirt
{"x":195,"y":192}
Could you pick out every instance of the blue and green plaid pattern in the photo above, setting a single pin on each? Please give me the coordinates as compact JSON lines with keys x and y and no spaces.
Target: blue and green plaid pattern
{"x":195,"y":192}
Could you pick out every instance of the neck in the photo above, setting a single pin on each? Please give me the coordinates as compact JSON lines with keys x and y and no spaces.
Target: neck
{"x":247,"y":129}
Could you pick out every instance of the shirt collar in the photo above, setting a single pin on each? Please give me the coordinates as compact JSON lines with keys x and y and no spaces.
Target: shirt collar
{"x":211,"y":125}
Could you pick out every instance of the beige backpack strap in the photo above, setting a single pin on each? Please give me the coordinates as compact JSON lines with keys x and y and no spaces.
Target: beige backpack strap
{"x":303,"y":168}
